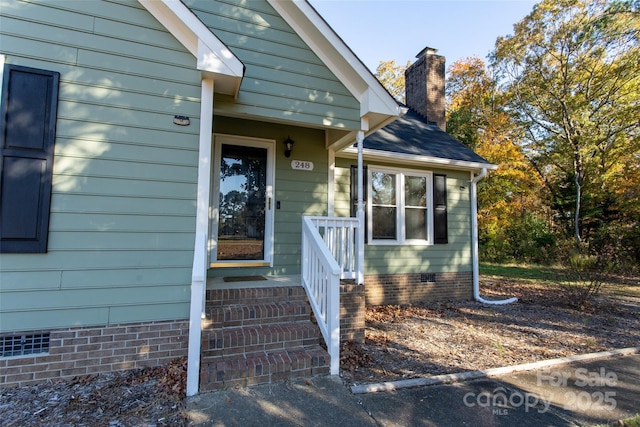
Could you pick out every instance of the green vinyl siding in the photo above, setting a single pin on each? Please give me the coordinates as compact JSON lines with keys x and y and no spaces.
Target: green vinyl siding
{"x":284,"y":79}
{"x":124,"y":223}
{"x":123,"y":258}
{"x":95,"y":297}
{"x":34,"y":319}
{"x":403,"y":259}
{"x":89,"y":240}
{"x":299,"y":192}
{"x":124,"y":176}
{"x":90,"y":316}
{"x":118,"y":205}
{"x":92,"y":278}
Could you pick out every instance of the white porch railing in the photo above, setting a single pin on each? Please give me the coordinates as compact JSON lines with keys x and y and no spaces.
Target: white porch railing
{"x":339,"y":236}
{"x":324,"y":240}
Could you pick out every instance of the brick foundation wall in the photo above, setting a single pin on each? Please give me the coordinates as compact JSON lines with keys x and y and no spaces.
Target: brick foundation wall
{"x":414,"y":288}
{"x":92,"y":350}
{"x":352,"y":310}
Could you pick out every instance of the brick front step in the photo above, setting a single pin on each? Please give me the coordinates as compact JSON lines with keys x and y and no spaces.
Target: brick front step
{"x":262,"y":367}
{"x":259,"y":335}
{"x":253,"y":338}
{"x":256,"y":314}
{"x":222,"y":297}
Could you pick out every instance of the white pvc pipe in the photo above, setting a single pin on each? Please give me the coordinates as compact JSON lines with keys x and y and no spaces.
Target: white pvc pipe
{"x":474,"y":244}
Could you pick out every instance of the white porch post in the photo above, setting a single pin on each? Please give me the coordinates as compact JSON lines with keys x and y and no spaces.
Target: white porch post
{"x":360,"y":213}
{"x":199,"y":270}
{"x":331,"y":189}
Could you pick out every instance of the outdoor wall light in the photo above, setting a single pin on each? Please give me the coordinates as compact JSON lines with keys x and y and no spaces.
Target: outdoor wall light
{"x":288,"y":146}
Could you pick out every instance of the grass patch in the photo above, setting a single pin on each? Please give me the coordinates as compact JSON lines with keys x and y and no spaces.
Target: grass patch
{"x":629,"y":290}
{"x":628,"y":422}
{"x":537,"y":273}
{"x":622,"y":286}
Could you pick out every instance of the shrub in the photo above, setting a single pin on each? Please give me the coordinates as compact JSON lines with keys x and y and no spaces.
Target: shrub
{"x":584,"y":277}
{"x":525,"y":239}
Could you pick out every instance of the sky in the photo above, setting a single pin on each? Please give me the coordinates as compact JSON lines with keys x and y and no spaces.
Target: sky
{"x":382,"y":30}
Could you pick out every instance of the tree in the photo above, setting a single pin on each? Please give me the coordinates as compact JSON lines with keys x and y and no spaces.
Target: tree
{"x":511,"y":215}
{"x":470,"y":100}
{"x":392,"y":78}
{"x":570,"y":71}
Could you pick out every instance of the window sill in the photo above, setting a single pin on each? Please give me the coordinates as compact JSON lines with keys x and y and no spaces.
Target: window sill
{"x":399,"y":243}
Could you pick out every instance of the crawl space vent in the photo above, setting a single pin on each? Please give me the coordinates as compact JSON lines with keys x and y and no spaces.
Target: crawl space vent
{"x":21,"y":345}
{"x":427,"y":277}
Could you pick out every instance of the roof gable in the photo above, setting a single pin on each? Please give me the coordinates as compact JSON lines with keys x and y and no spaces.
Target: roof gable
{"x":214,"y":59}
{"x":284,"y":81}
{"x":376,"y":104}
{"x":287,"y":87}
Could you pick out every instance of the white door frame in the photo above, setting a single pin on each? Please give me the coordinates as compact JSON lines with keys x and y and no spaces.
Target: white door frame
{"x":218,"y":140}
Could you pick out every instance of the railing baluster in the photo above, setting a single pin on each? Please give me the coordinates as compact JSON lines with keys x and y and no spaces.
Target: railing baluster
{"x":328,"y":254}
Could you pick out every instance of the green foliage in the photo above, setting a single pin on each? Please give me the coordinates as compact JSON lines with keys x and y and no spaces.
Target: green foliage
{"x":557,"y":109}
{"x":584,"y":277}
{"x":460,"y":126}
{"x":392,"y":78}
{"x":512,"y":225}
{"x":570,"y":75}
{"x":630,"y":422}
{"x":526,"y":238}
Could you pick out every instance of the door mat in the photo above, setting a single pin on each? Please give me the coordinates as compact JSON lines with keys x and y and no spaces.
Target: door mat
{"x":243,"y":278}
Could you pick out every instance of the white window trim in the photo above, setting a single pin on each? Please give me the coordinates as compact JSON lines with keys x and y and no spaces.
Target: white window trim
{"x":400,"y":207}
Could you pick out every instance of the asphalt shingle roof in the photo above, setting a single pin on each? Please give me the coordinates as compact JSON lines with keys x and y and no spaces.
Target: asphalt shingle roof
{"x":412,"y":134}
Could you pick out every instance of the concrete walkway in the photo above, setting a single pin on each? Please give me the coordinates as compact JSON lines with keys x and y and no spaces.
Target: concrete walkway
{"x":580,"y":393}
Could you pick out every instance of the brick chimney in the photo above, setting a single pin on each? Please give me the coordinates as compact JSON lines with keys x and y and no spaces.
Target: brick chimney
{"x":424,"y":86}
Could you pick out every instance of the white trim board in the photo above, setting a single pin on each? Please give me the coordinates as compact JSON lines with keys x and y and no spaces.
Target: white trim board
{"x":214,"y":59}
{"x":416,"y":160}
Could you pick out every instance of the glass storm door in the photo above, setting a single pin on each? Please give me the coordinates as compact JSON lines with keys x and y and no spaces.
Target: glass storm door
{"x":244,"y":191}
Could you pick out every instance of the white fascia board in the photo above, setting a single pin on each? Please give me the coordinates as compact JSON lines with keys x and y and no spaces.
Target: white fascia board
{"x":213,"y":57}
{"x":412,"y":159}
{"x":376,"y":103}
{"x":373,"y":103}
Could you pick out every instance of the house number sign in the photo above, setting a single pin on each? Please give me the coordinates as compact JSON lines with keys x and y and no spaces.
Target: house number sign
{"x":301,"y":165}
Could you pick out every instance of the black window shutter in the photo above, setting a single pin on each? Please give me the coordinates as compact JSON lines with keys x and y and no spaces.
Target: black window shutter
{"x":27,"y":134}
{"x":353,"y":189}
{"x":440,"y":227}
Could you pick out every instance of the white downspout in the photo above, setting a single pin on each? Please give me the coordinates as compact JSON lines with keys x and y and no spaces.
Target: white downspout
{"x":474,"y":243}
{"x":199,"y":269}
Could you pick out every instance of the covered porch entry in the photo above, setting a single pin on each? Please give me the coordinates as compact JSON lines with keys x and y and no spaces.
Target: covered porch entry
{"x":259,"y":329}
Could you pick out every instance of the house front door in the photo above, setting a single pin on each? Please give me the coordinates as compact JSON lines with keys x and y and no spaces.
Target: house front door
{"x":242,"y":201}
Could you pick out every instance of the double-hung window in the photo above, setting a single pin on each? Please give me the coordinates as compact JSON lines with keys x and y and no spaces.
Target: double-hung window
{"x":400,"y":208}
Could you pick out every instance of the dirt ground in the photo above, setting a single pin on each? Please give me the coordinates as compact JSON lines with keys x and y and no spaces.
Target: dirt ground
{"x":448,"y":337}
{"x":401,"y":342}
{"x":139,"y":397}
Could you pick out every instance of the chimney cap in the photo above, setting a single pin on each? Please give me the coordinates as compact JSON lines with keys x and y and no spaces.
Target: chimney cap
{"x":427,"y":51}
